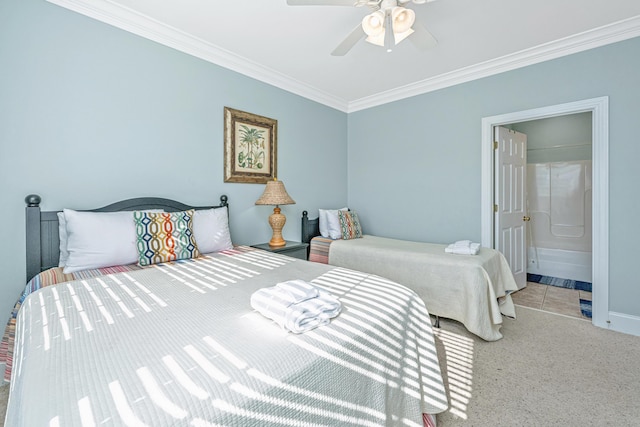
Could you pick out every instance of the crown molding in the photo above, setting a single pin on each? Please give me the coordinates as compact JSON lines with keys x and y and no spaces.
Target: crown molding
{"x":134,"y":22}
{"x":601,"y":36}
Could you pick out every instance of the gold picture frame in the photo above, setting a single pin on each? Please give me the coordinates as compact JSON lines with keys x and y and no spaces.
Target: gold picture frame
{"x":250,"y":147}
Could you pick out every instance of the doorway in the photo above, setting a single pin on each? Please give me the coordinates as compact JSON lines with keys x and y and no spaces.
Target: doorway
{"x":555,"y":223}
{"x":599,"y":107}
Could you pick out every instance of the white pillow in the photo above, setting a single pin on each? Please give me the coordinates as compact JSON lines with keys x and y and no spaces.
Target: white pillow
{"x":99,"y":239}
{"x":62,"y":233}
{"x":329,"y":223}
{"x":211,"y":230}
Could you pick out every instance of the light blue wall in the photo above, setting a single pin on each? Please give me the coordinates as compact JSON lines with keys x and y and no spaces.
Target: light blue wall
{"x":558,"y":139}
{"x":415,"y":165}
{"x":90,"y":114}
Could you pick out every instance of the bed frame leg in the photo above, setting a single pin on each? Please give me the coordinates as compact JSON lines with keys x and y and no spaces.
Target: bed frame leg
{"x":437,"y":323}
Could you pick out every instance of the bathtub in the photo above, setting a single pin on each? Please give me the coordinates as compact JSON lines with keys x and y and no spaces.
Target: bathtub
{"x":560,"y":263}
{"x":559,"y":233}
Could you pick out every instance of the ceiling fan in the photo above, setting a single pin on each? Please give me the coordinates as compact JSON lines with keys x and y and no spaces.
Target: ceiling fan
{"x":386,"y":14}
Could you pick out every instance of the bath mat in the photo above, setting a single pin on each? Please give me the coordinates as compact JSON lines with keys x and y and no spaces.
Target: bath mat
{"x":585,"y":308}
{"x":561,"y":283}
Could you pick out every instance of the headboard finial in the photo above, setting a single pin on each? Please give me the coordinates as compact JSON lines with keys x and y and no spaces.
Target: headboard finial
{"x":32,"y":200}
{"x":223,"y":200}
{"x":305,"y":214}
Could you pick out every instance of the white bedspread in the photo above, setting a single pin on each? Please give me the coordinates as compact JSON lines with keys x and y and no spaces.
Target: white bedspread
{"x":471,"y":289}
{"x":178,"y":345}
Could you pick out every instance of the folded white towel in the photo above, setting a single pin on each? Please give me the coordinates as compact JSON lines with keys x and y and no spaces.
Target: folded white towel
{"x":277,"y":304}
{"x":299,"y":290}
{"x":312,"y":313}
{"x":470,"y":249}
{"x":462,"y":243}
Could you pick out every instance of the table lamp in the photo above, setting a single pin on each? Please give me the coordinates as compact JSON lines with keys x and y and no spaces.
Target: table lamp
{"x":276,"y":194}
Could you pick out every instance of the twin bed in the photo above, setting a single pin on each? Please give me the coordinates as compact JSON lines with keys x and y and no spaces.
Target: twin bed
{"x":177,"y":343}
{"x":472,"y":289}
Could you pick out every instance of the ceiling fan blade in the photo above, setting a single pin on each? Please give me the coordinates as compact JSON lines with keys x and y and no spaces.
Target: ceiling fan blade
{"x":321,"y":2}
{"x":350,"y":41}
{"x":421,"y":38}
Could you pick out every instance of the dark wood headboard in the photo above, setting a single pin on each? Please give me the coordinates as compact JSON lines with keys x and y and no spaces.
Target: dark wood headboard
{"x":310,"y":227}
{"x":43,"y":238}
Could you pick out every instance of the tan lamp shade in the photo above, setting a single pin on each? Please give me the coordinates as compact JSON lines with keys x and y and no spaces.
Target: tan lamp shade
{"x":275,"y":194}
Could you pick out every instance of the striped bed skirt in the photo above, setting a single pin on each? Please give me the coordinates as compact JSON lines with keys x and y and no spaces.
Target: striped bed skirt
{"x":319,"y":249}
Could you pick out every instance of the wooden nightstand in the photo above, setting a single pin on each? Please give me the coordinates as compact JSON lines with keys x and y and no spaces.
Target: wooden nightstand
{"x":292,"y":249}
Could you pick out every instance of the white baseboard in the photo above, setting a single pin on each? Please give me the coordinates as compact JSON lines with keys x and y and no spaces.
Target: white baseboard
{"x":624,"y":323}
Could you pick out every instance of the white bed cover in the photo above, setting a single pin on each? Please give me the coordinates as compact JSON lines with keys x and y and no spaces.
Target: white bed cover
{"x":471,"y":289}
{"x":178,"y":344}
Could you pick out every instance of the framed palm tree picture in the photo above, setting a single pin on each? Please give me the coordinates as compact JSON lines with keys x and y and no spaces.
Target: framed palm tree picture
{"x":250,"y":147}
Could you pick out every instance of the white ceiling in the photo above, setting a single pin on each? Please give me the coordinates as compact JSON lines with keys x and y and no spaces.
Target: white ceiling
{"x":290,"y":46}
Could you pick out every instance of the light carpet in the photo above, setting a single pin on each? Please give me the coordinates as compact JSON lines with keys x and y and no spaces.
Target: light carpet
{"x":548,"y":370}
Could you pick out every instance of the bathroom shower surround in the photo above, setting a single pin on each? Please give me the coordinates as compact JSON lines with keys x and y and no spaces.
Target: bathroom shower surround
{"x":559,"y":235}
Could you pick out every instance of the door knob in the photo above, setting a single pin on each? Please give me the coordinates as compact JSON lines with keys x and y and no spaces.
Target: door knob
{"x":526,"y":218}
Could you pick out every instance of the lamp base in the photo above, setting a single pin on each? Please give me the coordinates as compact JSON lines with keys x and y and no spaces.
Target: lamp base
{"x":277,"y":221}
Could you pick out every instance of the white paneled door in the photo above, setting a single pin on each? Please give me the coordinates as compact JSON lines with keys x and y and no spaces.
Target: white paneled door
{"x":510,"y":200}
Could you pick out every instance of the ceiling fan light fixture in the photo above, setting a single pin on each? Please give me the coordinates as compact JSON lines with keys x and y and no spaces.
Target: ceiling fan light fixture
{"x":402,"y":19}
{"x":373,"y":24}
{"x":378,"y":40}
{"x":389,"y":27}
{"x":389,"y":39}
{"x":401,"y":36}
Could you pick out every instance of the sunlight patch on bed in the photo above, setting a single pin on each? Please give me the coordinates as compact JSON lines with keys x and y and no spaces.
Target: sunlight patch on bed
{"x":371,"y":351}
{"x":154,"y":391}
{"x":352,"y":366}
{"x":254,"y":395}
{"x":183,"y":379}
{"x":122,"y":406}
{"x":231,"y":267}
{"x":86,"y":413}
{"x":144,"y":289}
{"x":183,"y":281}
{"x":115,"y":298}
{"x":259,"y":258}
{"x":206,"y":365}
{"x":382,"y":366}
{"x":189,"y":276}
{"x":105,"y":313}
{"x":388,"y":312}
{"x":267,"y":418}
{"x":222,"y":351}
{"x":315,"y":395}
{"x":135,"y":298}
{"x":45,"y":322}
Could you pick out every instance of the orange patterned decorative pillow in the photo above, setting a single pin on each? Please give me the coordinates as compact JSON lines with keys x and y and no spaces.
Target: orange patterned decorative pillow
{"x":166,"y":236}
{"x":349,"y":225}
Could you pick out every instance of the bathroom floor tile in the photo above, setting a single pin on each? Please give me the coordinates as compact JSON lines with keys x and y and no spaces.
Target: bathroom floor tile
{"x":585,"y":295}
{"x":527,"y":301}
{"x":530,"y":296}
{"x":551,"y":298}
{"x":564,"y":294}
{"x":568,"y":308}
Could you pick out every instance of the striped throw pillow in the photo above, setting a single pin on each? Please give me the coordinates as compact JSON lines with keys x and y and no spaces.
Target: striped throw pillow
{"x":166,"y":236}
{"x":349,"y":225}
